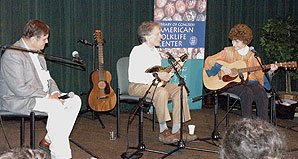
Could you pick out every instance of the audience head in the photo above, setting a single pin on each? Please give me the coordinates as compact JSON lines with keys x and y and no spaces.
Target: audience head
{"x":241,"y":32}
{"x":24,"y":153}
{"x":252,"y":139}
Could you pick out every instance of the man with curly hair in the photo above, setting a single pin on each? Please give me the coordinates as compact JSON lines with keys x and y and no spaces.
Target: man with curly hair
{"x":241,"y":36}
{"x":252,"y":139}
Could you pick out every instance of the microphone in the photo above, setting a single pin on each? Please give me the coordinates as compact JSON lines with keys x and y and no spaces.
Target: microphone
{"x":156,"y":76}
{"x":85,"y":42}
{"x":68,"y":95}
{"x":76,"y":57}
{"x":170,"y":56}
{"x":252,"y":49}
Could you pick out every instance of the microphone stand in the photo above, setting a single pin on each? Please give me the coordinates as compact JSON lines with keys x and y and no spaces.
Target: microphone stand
{"x":273,"y":117}
{"x":274,"y":93}
{"x":58,"y":58}
{"x":4,"y":47}
{"x":141,"y":146}
{"x":181,"y":144}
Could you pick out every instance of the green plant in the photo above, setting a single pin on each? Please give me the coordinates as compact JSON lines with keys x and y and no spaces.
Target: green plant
{"x":279,"y":38}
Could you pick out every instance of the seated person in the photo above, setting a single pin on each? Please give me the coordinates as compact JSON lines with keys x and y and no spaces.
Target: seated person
{"x":143,"y":57}
{"x":252,"y":139}
{"x":241,"y":36}
{"x":26,"y":85}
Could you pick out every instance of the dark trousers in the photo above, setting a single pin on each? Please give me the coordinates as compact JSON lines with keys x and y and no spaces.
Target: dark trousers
{"x":249,"y":93}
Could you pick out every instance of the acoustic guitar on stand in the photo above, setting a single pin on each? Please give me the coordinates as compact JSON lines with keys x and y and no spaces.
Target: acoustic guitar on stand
{"x":221,"y":80}
{"x":101,"y":97}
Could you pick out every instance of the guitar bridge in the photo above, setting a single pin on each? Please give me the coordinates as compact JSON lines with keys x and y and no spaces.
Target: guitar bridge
{"x":219,"y":75}
{"x":101,"y":97}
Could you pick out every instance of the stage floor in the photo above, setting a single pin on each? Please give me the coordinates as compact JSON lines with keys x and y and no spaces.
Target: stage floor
{"x":89,"y":134}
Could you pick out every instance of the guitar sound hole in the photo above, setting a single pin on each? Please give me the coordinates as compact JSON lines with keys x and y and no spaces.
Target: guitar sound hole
{"x":227,"y":78}
{"x":101,"y":84}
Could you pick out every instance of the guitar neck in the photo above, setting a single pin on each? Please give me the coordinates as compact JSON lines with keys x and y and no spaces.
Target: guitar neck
{"x":290,"y":65}
{"x":169,"y":68}
{"x":100,"y":62}
{"x":252,"y":69}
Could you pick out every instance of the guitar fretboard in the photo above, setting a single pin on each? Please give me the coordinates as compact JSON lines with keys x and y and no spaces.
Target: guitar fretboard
{"x":251,"y":69}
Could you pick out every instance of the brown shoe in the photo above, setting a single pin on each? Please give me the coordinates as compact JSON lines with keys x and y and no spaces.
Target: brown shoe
{"x":167,"y":137}
{"x":43,"y":144}
{"x":185,"y":136}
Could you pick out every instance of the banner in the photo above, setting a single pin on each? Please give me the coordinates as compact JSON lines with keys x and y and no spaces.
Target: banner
{"x":183,"y":30}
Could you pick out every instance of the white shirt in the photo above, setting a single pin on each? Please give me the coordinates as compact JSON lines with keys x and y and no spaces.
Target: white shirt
{"x":141,"y":58}
{"x":243,"y":51}
{"x":43,"y":75}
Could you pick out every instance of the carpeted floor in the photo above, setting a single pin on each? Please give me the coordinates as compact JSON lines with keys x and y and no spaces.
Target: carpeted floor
{"x":89,"y":134}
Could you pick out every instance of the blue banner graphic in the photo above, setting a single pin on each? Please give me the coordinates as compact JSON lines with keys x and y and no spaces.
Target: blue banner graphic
{"x":183,"y":34}
{"x":183,"y":30}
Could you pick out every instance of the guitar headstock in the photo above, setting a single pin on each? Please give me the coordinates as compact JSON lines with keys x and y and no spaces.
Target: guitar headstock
{"x":289,"y":65}
{"x":183,"y":57}
{"x":98,"y":36}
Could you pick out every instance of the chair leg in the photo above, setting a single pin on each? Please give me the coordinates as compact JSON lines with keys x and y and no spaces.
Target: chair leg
{"x":272,"y":110}
{"x":228,"y":107}
{"x":32,"y":130}
{"x":22,"y":134}
{"x":118,"y":113}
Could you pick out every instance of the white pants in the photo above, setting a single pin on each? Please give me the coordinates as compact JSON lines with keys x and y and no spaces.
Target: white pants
{"x":61,"y":119}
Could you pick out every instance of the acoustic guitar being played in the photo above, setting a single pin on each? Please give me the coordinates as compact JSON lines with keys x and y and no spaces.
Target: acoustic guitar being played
{"x":101,"y":97}
{"x":180,"y":62}
{"x":221,"y":80}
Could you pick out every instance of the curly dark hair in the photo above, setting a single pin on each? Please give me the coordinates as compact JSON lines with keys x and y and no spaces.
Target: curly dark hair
{"x":241,"y":32}
{"x":145,"y":29}
{"x":252,"y":139}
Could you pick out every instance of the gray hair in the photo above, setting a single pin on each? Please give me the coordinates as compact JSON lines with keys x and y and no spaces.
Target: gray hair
{"x":145,"y":29}
{"x":252,"y":139}
{"x":22,"y":153}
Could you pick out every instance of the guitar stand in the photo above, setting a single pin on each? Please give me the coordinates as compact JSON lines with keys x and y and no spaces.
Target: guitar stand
{"x":181,"y":144}
{"x":94,"y":113}
{"x":141,"y":146}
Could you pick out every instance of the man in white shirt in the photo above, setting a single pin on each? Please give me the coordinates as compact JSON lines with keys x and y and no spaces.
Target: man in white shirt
{"x":26,"y":85}
{"x":143,"y":57}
